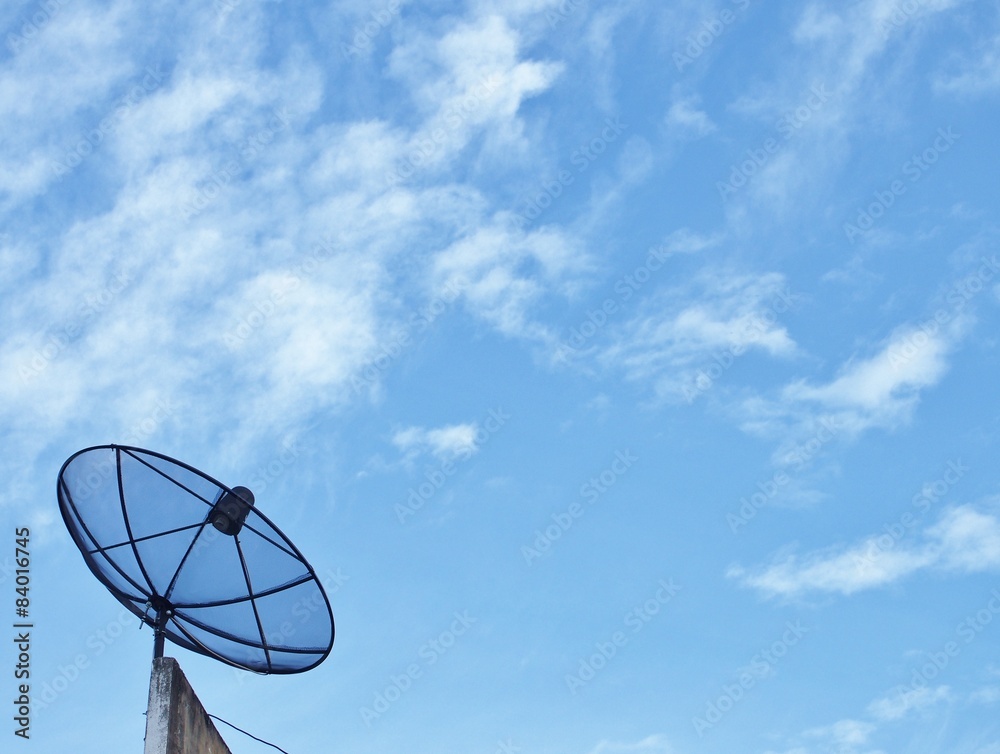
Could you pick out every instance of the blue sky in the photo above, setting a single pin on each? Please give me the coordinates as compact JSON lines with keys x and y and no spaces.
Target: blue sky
{"x":626,"y":371}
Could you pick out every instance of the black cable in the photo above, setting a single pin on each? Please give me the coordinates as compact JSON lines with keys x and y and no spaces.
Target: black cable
{"x":245,"y":733}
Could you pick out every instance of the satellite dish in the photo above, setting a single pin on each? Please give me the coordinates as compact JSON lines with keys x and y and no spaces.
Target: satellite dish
{"x":195,"y":560}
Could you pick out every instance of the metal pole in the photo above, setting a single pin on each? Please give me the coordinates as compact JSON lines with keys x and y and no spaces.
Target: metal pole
{"x":159,"y":633}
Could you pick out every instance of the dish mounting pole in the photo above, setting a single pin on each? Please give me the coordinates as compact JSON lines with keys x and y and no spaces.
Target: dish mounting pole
{"x":163,"y":613}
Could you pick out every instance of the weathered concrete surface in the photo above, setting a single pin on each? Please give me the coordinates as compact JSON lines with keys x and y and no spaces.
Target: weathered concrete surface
{"x":176,"y":723}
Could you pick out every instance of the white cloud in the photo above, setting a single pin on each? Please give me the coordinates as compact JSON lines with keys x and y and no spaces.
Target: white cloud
{"x":969,"y":539}
{"x":228,"y":305}
{"x":44,"y":90}
{"x":859,"y":34}
{"x":651,"y":745}
{"x":850,"y":52}
{"x":601,"y":50}
{"x":469,"y":79}
{"x":683,"y":334}
{"x":448,"y":442}
{"x":888,"y":379}
{"x":899,"y":705}
{"x":880,"y":391}
{"x":688,"y":119}
{"x":978,"y":77}
{"x":985,"y":695}
{"x":844,"y":572}
{"x":844,"y":734}
{"x":687,"y":241}
{"x":501,"y":273}
{"x":965,"y":539}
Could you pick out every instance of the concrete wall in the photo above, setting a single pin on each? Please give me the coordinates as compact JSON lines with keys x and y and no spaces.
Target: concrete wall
{"x":176,"y":723}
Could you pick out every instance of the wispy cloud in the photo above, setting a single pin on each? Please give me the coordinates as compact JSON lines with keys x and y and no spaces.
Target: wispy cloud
{"x":720,"y":315}
{"x":966,"y":539}
{"x":503,"y":272}
{"x":448,"y":442}
{"x":841,"y":51}
{"x":846,"y":735}
{"x":262,"y":234}
{"x":985,"y":695}
{"x":652,"y":745}
{"x":878,"y":391}
{"x":898,"y":706}
{"x":978,"y":76}
{"x":854,"y":736}
{"x":686,"y":118}
{"x":467,"y":80}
